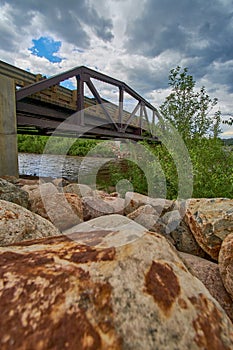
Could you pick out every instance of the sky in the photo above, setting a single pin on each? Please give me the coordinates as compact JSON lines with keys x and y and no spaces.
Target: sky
{"x":136,"y":41}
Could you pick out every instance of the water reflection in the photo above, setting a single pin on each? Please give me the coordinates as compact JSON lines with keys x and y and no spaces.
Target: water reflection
{"x":30,"y":164}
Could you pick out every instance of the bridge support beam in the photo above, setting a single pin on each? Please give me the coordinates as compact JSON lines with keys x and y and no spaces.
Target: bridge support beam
{"x":8,"y":128}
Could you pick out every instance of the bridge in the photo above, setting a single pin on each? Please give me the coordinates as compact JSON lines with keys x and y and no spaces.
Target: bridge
{"x":33,"y":104}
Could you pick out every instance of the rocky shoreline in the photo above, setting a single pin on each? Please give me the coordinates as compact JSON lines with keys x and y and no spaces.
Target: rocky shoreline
{"x":91,"y":270}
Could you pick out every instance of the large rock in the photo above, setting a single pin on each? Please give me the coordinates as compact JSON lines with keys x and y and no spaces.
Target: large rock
{"x":41,"y":190}
{"x":60,"y":182}
{"x":135,"y":200}
{"x":18,"y":224}
{"x":11,"y":193}
{"x":117,"y":203}
{"x":28,"y":182}
{"x":208,"y":273}
{"x":94,"y":207}
{"x":172,"y":219}
{"x":80,"y":189}
{"x":64,"y":210}
{"x":184,"y":241}
{"x":226,"y":263}
{"x":210,"y":221}
{"x":10,"y":178}
{"x":30,"y":189}
{"x":57,"y":294}
{"x":148,"y":217}
{"x":120,"y":229}
{"x":102,"y":194}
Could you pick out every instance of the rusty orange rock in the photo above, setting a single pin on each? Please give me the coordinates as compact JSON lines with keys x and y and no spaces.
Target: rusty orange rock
{"x":58,"y":294}
{"x":226,"y":263}
{"x":210,"y":221}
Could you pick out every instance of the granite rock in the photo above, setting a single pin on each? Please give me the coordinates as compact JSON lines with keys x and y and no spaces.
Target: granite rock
{"x":147,"y":216}
{"x":184,"y":241}
{"x":121,"y":230}
{"x":96,"y":206}
{"x":226,"y":263}
{"x":208,"y":273}
{"x":11,"y":193}
{"x":135,"y":200}
{"x":210,"y":221}
{"x":80,"y":189}
{"x":58,"y":294}
{"x":18,"y":224}
{"x":64,"y":210}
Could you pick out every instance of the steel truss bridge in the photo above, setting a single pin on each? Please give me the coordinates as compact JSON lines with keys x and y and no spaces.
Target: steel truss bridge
{"x":44,"y":107}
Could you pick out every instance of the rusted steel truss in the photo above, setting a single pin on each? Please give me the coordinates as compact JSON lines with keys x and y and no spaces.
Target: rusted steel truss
{"x":84,"y":76}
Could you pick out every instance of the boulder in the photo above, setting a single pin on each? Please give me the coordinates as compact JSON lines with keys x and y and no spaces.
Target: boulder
{"x":208,"y":273}
{"x":121,"y":230}
{"x":64,"y":210}
{"x":117,"y":203}
{"x":94,"y":207}
{"x":18,"y":224}
{"x":210,"y":221}
{"x":172,"y":220}
{"x":79,"y":189}
{"x":148,"y":217}
{"x":100,"y":193}
{"x":29,"y":182}
{"x":60,"y":182}
{"x":184,"y":241}
{"x":226,"y":263}
{"x":42,"y":190}
{"x":135,"y":200}
{"x":30,"y":189}
{"x":10,"y":178}
{"x":11,"y":193}
{"x":103,"y":194}
{"x":180,"y":233}
{"x":58,"y":294}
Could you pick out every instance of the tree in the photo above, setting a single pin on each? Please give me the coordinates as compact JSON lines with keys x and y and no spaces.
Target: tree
{"x":188,"y":109}
{"x":229,"y":121}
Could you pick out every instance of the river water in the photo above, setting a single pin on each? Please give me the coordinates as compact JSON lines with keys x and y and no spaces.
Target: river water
{"x":78,"y":169}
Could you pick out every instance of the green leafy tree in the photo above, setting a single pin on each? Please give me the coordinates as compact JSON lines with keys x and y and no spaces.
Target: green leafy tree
{"x":229,"y":121}
{"x":187,"y":109}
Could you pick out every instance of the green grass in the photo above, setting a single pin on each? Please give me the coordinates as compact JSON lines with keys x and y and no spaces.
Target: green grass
{"x":62,"y":145}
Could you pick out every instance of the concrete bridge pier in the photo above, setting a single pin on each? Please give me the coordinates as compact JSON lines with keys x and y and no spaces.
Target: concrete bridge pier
{"x":8,"y":128}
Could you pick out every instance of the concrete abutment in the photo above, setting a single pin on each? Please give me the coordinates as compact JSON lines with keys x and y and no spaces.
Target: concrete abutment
{"x":8,"y":128}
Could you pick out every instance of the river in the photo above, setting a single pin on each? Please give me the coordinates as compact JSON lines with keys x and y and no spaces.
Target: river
{"x":78,"y":169}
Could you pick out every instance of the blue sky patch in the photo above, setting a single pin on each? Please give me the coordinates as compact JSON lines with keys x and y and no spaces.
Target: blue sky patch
{"x":46,"y":47}
{"x":68,"y":84}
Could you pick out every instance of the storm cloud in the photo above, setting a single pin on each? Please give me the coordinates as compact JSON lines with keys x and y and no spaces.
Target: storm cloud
{"x":197,"y":29}
{"x":65,"y":19}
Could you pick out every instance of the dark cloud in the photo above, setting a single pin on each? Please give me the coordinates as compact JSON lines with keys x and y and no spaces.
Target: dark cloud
{"x":142,"y":77}
{"x":146,"y":79}
{"x":65,"y":19}
{"x":221,"y":73}
{"x":197,"y":28}
{"x":8,"y":38}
